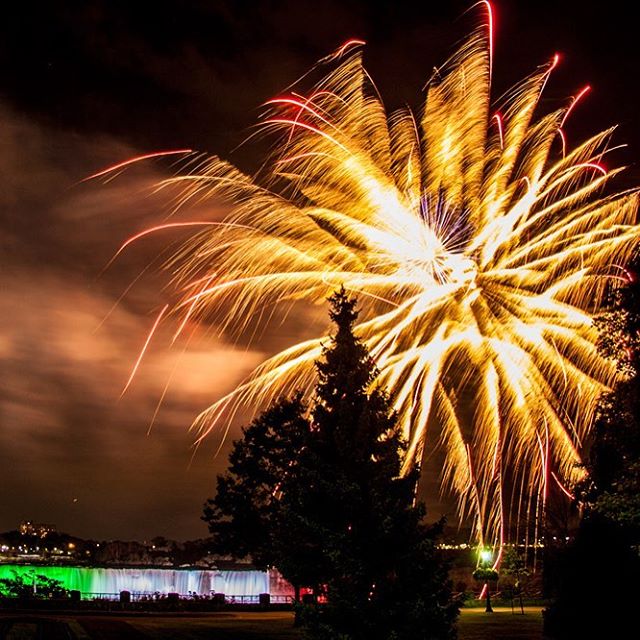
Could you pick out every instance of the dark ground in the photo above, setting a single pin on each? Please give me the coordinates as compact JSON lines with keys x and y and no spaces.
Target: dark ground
{"x":474,"y":625}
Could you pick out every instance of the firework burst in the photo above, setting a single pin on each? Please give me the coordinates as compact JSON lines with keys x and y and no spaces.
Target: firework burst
{"x":478,"y":244}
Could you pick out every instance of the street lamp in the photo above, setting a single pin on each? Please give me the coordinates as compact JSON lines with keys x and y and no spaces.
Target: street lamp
{"x":485,"y":573}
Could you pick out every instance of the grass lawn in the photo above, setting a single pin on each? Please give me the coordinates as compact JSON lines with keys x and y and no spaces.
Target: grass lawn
{"x":474,"y":624}
{"x":222,"y":626}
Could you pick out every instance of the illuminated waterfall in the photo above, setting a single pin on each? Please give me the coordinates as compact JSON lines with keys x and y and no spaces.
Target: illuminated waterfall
{"x":94,"y":581}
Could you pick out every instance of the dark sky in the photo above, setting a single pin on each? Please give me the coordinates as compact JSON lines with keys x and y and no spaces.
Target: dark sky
{"x":87,"y":84}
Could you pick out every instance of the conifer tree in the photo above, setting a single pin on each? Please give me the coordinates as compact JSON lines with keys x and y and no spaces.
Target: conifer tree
{"x":247,"y":516}
{"x":605,"y":550}
{"x":614,"y":461}
{"x":343,"y":498}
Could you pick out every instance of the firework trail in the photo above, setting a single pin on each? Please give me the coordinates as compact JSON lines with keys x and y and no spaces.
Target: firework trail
{"x":478,"y":243}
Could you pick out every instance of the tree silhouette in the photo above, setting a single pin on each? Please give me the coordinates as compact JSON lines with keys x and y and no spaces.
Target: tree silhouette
{"x":605,"y":549}
{"x":332,"y":488}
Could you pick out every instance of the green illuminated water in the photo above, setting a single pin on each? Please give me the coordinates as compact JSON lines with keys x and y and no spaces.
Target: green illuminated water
{"x":79,"y":578}
{"x":93,"y":580}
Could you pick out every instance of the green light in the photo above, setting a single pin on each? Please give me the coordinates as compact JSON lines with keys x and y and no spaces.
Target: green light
{"x":486,"y":556}
{"x":78,"y":578}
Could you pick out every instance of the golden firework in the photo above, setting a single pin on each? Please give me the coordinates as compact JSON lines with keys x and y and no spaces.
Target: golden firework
{"x":479,"y":248}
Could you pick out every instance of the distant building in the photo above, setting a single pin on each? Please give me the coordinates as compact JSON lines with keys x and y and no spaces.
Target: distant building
{"x":28,"y":528}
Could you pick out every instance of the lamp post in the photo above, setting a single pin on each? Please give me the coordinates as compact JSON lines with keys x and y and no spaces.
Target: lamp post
{"x":485,"y":573}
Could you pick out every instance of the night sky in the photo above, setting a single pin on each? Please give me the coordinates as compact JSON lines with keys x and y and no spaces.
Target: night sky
{"x":87,"y":84}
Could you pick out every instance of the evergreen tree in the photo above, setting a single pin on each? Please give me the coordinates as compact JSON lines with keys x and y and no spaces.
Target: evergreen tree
{"x":247,"y":516}
{"x":605,"y":549}
{"x":356,"y":532}
{"x":614,"y":462}
{"x":386,"y":578}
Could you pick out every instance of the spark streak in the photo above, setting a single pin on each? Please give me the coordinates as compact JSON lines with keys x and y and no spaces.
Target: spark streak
{"x":130,"y":161}
{"x":144,"y":349}
{"x":498,"y":118}
{"x":574,"y":102}
{"x":354,"y":42}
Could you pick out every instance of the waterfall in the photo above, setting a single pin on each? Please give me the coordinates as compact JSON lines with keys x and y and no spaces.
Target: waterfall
{"x":94,"y":580}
